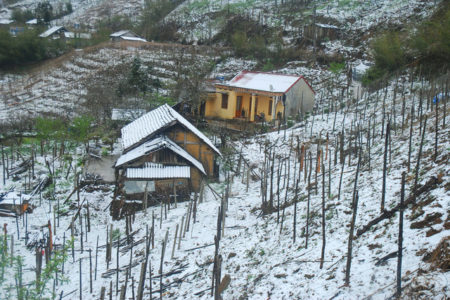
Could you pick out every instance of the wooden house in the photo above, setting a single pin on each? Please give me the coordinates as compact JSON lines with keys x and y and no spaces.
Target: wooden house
{"x":259,"y":96}
{"x":126,"y":35}
{"x":164,"y":155}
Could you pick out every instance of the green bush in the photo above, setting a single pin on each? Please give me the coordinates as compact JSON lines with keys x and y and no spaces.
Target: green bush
{"x":27,"y":48}
{"x":388,"y":52}
{"x":431,"y":42}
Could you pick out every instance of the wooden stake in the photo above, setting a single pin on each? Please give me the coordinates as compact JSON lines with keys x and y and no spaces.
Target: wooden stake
{"x":400,"y":238}
{"x":174,"y":241}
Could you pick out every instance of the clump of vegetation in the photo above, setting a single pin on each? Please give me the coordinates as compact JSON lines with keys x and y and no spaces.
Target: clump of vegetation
{"x":151,"y":25}
{"x":27,"y":48}
{"x":389,"y":54}
{"x":427,"y":46}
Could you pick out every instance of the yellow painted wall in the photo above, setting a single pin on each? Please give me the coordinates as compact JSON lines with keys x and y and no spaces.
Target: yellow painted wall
{"x":213,"y":106}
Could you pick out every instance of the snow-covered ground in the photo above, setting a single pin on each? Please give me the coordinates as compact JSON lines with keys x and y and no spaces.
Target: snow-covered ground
{"x":259,"y":256}
{"x":61,"y":86}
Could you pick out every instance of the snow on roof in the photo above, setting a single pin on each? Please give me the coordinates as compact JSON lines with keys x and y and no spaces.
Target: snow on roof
{"x":32,"y":22}
{"x":154,"y":170}
{"x":155,"y":120}
{"x":122,"y":32}
{"x":12,"y":198}
{"x":133,"y":39}
{"x":268,"y":82}
{"x":326,"y":26}
{"x":156,"y":144}
{"x":5,"y":21}
{"x":71,"y":35}
{"x":124,"y":114}
{"x":51,"y":31}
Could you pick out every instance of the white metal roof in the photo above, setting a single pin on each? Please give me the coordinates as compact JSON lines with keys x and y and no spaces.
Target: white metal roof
{"x":13,"y":198}
{"x":133,"y":39}
{"x":71,"y":35}
{"x":122,"y":32}
{"x":32,"y":22}
{"x":268,"y":82}
{"x":326,"y":26}
{"x":150,"y":123}
{"x":6,"y":21}
{"x":156,"y":144}
{"x":118,"y":33}
{"x":153,"y":171}
{"x":51,"y":31}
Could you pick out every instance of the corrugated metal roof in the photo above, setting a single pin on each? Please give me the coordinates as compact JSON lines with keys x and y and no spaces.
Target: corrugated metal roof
{"x":51,"y":31}
{"x":153,"y":170}
{"x":133,"y":39}
{"x":161,"y":117}
{"x":119,"y":33}
{"x":154,"y":145}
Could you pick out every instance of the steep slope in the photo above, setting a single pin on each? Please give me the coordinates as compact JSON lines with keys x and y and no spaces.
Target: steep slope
{"x":259,"y":254}
{"x":59,"y":86}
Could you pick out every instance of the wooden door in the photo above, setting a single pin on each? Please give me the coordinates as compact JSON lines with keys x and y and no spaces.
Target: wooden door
{"x":238,"y":106}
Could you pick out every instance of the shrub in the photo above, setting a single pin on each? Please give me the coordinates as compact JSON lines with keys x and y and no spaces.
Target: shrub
{"x":27,"y":48}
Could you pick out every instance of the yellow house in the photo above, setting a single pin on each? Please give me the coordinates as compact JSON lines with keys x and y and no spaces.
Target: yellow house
{"x":258,"y":96}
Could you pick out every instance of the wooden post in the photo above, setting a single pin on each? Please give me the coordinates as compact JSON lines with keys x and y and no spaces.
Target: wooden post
{"x":141,"y":281}
{"x":102,"y":293}
{"x":117,"y":264}
{"x":90,"y":270}
{"x":416,"y":177}
{"x":88,"y":218}
{"x":174,"y":241}
{"x":81,"y":282}
{"x":161,"y":265}
{"x":400,"y":238}
{"x":411,"y":119}
{"x":96,"y":255}
{"x":322,"y":257}
{"x":350,"y":240}
{"x":38,"y":265}
{"x":383,"y":192}
{"x":150,"y":279}
{"x":181,"y":230}
{"x":145,"y":198}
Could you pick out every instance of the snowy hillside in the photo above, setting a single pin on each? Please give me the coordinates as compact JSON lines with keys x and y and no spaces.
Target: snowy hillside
{"x":205,"y":19}
{"x":60,"y":86}
{"x":258,"y":252}
{"x":85,"y":12}
{"x":290,"y":195}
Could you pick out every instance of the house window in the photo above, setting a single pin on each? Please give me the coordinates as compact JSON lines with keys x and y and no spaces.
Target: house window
{"x":224,"y":101}
{"x":270,"y":107}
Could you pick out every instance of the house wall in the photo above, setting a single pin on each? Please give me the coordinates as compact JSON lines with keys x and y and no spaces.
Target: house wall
{"x":213,"y":106}
{"x":299,"y":99}
{"x":194,"y":146}
{"x":167,"y":156}
{"x":163,"y":189}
